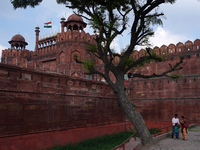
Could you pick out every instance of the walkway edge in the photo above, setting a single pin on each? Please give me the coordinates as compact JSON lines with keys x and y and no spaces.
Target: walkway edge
{"x":155,"y":139}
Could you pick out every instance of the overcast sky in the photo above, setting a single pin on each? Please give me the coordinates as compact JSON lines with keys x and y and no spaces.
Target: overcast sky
{"x":181,"y":23}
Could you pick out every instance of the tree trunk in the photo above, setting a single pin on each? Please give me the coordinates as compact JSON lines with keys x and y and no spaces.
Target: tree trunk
{"x":133,"y":115}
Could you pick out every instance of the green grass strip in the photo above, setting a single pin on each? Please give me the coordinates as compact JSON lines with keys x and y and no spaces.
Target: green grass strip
{"x":105,"y":142}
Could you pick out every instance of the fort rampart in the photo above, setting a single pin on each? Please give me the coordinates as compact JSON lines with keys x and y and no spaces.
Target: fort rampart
{"x":159,"y":99}
{"x":36,"y":103}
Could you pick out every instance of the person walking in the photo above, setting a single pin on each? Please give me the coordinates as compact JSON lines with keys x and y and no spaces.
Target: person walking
{"x":184,"y":128}
{"x":174,"y":121}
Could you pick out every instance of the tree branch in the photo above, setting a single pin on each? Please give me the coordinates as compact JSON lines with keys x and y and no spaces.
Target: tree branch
{"x":174,"y":68}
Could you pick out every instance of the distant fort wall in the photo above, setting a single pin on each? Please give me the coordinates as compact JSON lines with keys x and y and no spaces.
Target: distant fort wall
{"x":160,"y":98}
{"x":177,"y":49}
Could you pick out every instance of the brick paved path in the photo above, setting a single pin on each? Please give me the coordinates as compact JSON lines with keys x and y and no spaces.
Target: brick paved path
{"x":192,"y":143}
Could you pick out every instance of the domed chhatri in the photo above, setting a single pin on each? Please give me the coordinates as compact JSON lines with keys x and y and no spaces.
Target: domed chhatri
{"x":17,"y":38}
{"x":18,"y":41}
{"x":75,"y":23}
{"x":74,"y":17}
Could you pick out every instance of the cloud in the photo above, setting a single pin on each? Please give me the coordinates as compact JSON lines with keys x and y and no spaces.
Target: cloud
{"x":182,"y":17}
{"x":115,"y":46}
{"x":163,"y":36}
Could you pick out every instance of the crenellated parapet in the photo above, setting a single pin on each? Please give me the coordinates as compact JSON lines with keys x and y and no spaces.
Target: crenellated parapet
{"x":190,"y":51}
{"x":75,"y":36}
{"x":16,"y":56}
{"x":178,"y":48}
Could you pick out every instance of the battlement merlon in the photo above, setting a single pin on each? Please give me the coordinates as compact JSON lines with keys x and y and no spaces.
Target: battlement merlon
{"x":179,"y":48}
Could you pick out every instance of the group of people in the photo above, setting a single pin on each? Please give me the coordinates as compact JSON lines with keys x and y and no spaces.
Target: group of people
{"x":177,"y":124}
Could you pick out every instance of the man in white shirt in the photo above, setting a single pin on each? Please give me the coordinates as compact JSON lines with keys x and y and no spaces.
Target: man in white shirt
{"x":174,"y":121}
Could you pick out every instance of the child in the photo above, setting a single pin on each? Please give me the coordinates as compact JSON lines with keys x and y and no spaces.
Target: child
{"x":176,"y":130}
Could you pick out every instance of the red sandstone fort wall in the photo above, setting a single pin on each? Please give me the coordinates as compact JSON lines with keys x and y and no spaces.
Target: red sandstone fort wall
{"x":37,"y":102}
{"x":160,"y":98}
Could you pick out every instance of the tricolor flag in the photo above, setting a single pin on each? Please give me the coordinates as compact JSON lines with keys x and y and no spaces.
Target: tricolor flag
{"x":47,"y":25}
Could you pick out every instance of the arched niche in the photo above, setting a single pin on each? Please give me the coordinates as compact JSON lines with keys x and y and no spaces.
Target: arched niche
{"x":141,"y":52}
{"x":171,"y":48}
{"x":197,"y":44}
{"x":157,"y":50}
{"x":62,"y":57}
{"x":163,"y":49}
{"x":75,"y":53}
{"x":188,"y":46}
{"x":180,"y":47}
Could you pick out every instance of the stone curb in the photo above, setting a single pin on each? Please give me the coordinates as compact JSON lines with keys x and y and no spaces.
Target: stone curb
{"x":155,"y":139}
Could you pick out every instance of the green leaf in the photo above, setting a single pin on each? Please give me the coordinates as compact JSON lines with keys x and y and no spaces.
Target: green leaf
{"x":176,"y":76}
{"x":92,"y":48}
{"x":88,"y":65}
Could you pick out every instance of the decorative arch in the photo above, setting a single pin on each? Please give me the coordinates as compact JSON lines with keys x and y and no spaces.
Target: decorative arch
{"x":75,"y":27}
{"x":180,"y":47}
{"x":75,"y":52}
{"x":197,"y":44}
{"x":188,"y":46}
{"x":157,"y":50}
{"x":141,"y":53}
{"x":62,"y":57}
{"x":69,"y":27}
{"x":171,"y":48}
{"x":163,"y":49}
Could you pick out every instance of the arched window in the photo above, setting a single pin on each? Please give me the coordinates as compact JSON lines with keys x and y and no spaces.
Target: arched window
{"x":81,"y":28}
{"x":70,"y":27}
{"x":17,"y":46}
{"x":75,"y":27}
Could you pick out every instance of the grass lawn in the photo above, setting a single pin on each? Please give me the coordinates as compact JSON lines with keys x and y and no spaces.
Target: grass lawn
{"x":106,"y":142}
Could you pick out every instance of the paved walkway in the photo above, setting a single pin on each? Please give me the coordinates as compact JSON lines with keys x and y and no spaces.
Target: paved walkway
{"x":192,"y":143}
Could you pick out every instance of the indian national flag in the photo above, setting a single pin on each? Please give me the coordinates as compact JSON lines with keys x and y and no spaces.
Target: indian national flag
{"x":47,"y":25}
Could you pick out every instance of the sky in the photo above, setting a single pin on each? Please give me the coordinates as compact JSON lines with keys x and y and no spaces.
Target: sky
{"x":181,"y":23}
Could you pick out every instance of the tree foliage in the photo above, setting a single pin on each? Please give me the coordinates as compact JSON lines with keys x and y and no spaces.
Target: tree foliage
{"x":24,"y":3}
